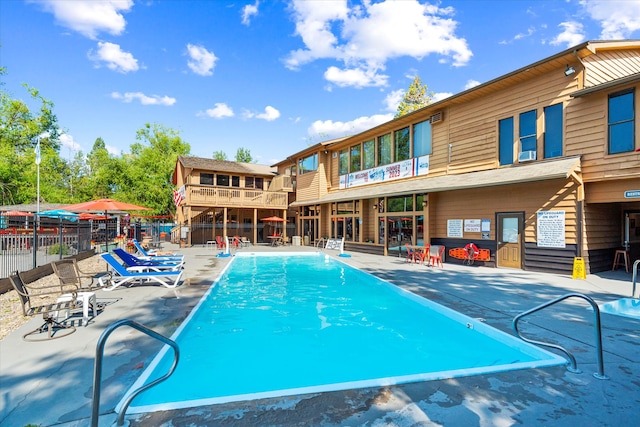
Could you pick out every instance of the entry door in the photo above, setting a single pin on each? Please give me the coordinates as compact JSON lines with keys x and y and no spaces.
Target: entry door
{"x":509,"y":237}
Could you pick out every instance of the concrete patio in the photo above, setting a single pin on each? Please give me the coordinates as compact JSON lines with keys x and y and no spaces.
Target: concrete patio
{"x":50,"y":383}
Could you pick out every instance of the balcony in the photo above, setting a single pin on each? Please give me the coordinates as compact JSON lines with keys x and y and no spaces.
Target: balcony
{"x":211,"y":196}
{"x":282,"y":183}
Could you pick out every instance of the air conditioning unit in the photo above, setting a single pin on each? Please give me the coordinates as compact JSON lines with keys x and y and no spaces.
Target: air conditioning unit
{"x":526,"y":156}
{"x":436,"y":118}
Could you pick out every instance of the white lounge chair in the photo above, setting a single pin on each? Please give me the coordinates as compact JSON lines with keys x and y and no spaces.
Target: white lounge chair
{"x":118,"y":275}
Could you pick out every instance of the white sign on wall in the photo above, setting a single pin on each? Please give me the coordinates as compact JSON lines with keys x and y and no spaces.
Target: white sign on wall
{"x":551,"y":229}
{"x":471,"y":225}
{"x":454,"y":228}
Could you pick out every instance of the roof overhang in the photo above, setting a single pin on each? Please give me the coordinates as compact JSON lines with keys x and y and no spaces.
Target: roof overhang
{"x":633,"y":78}
{"x":565,"y":168}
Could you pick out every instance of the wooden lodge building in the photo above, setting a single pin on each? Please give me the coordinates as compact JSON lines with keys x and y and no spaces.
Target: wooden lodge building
{"x":539,"y":166}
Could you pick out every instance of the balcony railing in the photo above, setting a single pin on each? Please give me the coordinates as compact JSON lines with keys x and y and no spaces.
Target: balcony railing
{"x":282,"y":183}
{"x":205,"y":195}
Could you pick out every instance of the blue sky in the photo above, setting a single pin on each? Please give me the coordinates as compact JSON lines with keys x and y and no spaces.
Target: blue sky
{"x":272,"y":76}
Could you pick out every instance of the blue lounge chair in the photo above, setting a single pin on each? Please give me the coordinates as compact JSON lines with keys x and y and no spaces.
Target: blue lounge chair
{"x":133,"y":263}
{"x":151,"y":255}
{"x":118,"y":275}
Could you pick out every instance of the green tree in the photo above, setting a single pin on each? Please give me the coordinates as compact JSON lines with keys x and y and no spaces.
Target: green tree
{"x":243,"y":155}
{"x":415,"y":98}
{"x":146,"y":172}
{"x":100,"y":180}
{"x":219,"y":155}
{"x":19,"y":130}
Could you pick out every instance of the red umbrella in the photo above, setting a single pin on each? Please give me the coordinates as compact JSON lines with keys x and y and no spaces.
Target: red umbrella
{"x":87,"y":216}
{"x":272,"y":219}
{"x":17,"y":213}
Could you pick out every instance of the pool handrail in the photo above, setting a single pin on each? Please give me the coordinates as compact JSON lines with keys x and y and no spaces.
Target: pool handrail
{"x":635,"y":275}
{"x":97,"y":371}
{"x":572,"y":365}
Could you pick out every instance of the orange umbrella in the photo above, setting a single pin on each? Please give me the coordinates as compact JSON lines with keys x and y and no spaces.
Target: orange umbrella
{"x":272,"y":219}
{"x":17,"y":213}
{"x":104,"y":205}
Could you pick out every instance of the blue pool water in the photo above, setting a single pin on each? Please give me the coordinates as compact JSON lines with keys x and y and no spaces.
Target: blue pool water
{"x":626,"y":307}
{"x":293,"y":324}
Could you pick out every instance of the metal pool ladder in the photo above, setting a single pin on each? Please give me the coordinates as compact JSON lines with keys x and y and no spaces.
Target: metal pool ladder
{"x":635,"y":275}
{"x":97,"y":371}
{"x":573,"y":366}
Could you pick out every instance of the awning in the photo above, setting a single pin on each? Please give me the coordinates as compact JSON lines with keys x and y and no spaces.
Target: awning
{"x":517,"y":174}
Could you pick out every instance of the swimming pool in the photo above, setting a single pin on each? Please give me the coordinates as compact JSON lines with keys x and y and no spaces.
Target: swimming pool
{"x":294,"y":324}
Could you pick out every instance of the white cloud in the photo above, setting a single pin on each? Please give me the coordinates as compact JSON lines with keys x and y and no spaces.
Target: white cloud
{"x":618,"y":18}
{"x":572,"y":34}
{"x":67,"y":141}
{"x":219,"y":111}
{"x":393,"y":99}
{"x":471,"y":83}
{"x":144,"y":99}
{"x":270,"y":114}
{"x":332,"y":129}
{"x":248,"y":11}
{"x":89,"y":17}
{"x":114,"y":151}
{"x":440,"y":96}
{"x":202,"y":61}
{"x":371,"y":34}
{"x":114,"y":58}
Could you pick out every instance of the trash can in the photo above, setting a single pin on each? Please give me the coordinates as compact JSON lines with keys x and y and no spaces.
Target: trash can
{"x":295,"y":240}
{"x":306,"y":240}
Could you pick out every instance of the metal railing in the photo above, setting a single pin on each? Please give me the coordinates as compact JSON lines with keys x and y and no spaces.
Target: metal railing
{"x":572,"y":360}
{"x":97,"y":372}
{"x":320,"y":243}
{"x":635,"y":275}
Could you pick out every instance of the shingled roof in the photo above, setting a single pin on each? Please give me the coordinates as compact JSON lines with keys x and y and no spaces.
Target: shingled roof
{"x":226,"y":166}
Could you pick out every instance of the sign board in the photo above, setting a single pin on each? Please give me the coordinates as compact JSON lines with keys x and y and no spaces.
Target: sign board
{"x":551,"y":229}
{"x":486,"y":225}
{"x":471,"y":225}
{"x":632,"y":194}
{"x":403,"y":169}
{"x":454,"y":228}
{"x":578,"y":268}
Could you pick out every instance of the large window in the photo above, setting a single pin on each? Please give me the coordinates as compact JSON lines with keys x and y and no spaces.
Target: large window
{"x":422,"y":138}
{"x":308,"y":164}
{"x":401,"y":145}
{"x":528,"y":132}
{"x":621,"y":122}
{"x":206,"y":178}
{"x":384,"y":149}
{"x":222,"y":180}
{"x":369,"y":158}
{"x":343,"y":162}
{"x":505,"y":127}
{"x":553,"y":131}
{"x":356,"y":158}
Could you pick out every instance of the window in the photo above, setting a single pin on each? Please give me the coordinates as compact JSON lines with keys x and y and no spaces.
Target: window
{"x":400,"y":204}
{"x":249,"y":182}
{"x":235,"y":181}
{"x":401,"y":144}
{"x":343,"y":162}
{"x":369,"y":160}
{"x":505,"y":141}
{"x":621,"y":122}
{"x":553,"y":131}
{"x":384,"y":149}
{"x":528,"y":132}
{"x":355,"y":158}
{"x":259,"y":183}
{"x":222,"y":180}
{"x":206,"y":178}
{"x":422,"y":138}
{"x":308,"y":164}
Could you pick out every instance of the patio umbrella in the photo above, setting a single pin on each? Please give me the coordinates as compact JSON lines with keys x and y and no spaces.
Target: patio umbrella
{"x":17,"y":213}
{"x":272,"y":219}
{"x":106,"y":206}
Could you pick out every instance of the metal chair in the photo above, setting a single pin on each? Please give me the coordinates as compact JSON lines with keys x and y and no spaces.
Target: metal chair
{"x":49,"y":312}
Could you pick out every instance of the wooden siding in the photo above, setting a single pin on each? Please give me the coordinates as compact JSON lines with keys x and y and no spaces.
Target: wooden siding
{"x":603,"y":226}
{"x":484,"y":203}
{"x":586,"y":134}
{"x":610,"y":191}
{"x":610,"y":65}
{"x":308,"y":186}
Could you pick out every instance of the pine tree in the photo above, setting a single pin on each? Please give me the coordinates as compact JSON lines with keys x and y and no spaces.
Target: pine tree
{"x":415,"y":98}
